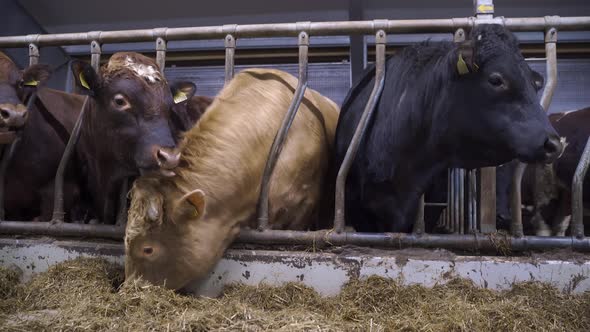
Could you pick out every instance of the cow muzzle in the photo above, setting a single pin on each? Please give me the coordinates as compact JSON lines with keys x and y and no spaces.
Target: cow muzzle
{"x":553,"y":147}
{"x":167,"y":159}
{"x":13,"y":116}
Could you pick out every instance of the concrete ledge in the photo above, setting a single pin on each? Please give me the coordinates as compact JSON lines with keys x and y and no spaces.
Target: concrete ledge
{"x":328,"y":271}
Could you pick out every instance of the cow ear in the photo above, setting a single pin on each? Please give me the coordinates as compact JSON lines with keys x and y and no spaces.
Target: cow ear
{"x":183,"y":91}
{"x":190,"y":206}
{"x":86,"y":78}
{"x":538,"y":80}
{"x":35,"y":75}
{"x":466,"y":58}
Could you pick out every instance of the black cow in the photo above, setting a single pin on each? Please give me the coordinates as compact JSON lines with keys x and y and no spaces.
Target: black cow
{"x":440,"y":108}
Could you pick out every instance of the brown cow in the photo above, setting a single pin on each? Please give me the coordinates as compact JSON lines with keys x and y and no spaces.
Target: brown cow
{"x":179,"y":227}
{"x":31,"y":170}
{"x":546,"y":189}
{"x":15,"y":86}
{"x":127,"y":127}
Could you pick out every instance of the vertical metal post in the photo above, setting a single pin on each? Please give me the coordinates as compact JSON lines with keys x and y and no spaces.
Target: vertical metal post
{"x":380,"y":41}
{"x":33,"y":54}
{"x":452,"y":199}
{"x":277,"y":144}
{"x":448,"y":220}
{"x":161,"y":46}
{"x":578,"y":193}
{"x":419,"y":223}
{"x":461,"y":201}
{"x":58,"y":204}
{"x":230,"y":50}
{"x":122,"y":208}
{"x":472,"y":203}
{"x":550,"y":84}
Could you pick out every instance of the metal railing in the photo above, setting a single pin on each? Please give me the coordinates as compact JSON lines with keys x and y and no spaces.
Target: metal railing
{"x":303,"y":31}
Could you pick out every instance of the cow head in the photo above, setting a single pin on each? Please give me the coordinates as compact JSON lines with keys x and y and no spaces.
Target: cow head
{"x":494,"y":109}
{"x":133,"y":105}
{"x":168,"y":242}
{"x":15,"y":85}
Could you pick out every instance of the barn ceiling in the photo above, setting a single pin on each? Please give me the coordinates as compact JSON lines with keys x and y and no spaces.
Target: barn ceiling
{"x":77,"y":15}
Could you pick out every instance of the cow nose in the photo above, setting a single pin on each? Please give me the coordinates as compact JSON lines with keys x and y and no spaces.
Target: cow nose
{"x":13,"y":116}
{"x":553,"y":148}
{"x":167,"y":158}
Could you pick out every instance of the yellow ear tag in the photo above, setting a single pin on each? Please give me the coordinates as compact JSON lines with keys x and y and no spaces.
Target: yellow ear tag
{"x":83,"y":81}
{"x":179,"y":97}
{"x":31,"y":83}
{"x":462,"y":66}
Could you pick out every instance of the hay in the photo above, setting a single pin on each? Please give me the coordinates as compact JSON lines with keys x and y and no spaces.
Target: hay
{"x":87,"y":295}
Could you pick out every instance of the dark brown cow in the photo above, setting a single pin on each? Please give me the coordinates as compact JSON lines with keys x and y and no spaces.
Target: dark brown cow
{"x":30,"y":173}
{"x":546,"y":189}
{"x":15,"y":86}
{"x":127,"y":127}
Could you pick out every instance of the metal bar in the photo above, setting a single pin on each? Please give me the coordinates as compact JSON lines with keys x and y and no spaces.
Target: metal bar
{"x":461,"y":201}
{"x":58,"y":204}
{"x":472,"y":197}
{"x":435,"y":204}
{"x":33,"y":54}
{"x":487,"y":200}
{"x":550,"y":85}
{"x":447,"y":221}
{"x":484,"y":8}
{"x":471,"y":242}
{"x":419,"y":223}
{"x":578,"y":193}
{"x":230,"y":50}
{"x":161,"y":47}
{"x":290,"y":29}
{"x":452,"y":198}
{"x":277,"y":144}
{"x":380,"y":41}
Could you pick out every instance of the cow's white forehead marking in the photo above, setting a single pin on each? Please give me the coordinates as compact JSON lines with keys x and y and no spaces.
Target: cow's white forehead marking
{"x":149,"y":73}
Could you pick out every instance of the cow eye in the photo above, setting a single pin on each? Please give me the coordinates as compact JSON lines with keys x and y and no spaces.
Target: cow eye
{"x":148,"y":251}
{"x":120,"y":102}
{"x":496,"y":80}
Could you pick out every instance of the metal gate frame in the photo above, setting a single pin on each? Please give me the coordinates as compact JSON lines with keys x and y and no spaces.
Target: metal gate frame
{"x":303,"y":31}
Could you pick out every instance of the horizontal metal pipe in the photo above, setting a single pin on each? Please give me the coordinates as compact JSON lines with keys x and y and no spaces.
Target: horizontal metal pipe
{"x":496,"y":243}
{"x":291,"y":29}
{"x":62,"y":229}
{"x":493,"y":242}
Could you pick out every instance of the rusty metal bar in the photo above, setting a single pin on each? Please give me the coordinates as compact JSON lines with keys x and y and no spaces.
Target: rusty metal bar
{"x":419,"y":223}
{"x":469,"y":242}
{"x":380,"y":41}
{"x":578,"y":193}
{"x":550,"y":85}
{"x":277,"y":144}
{"x":290,"y":30}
